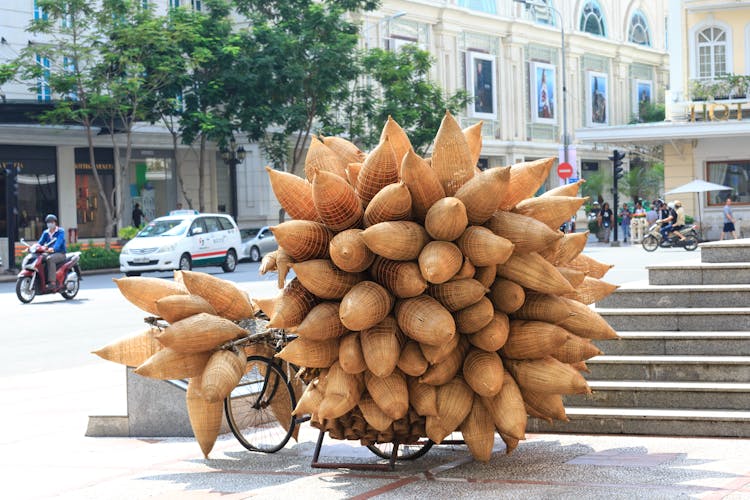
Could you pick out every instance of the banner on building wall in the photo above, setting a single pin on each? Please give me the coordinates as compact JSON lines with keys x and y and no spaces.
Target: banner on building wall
{"x":480,"y":79}
{"x":597,"y":99}
{"x":543,"y":92}
{"x":643,"y":94}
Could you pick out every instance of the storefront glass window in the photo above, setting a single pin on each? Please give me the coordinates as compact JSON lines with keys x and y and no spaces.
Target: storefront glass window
{"x":91,"y":218}
{"x":153,"y":186}
{"x":736,"y":174}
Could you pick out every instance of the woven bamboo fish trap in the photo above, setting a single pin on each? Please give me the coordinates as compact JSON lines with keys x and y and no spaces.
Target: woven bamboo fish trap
{"x":411,"y":361}
{"x":336,"y":202}
{"x":268,"y":263}
{"x":322,"y":323}
{"x":228,"y":300}
{"x":425,"y":320}
{"x":478,"y":431}
{"x":381,"y":347}
{"x":507,"y":409}
{"x":311,"y":353}
{"x":396,"y":240}
{"x":551,"y":210}
{"x":168,"y":364}
{"x":446,"y":220}
{"x":451,"y":156}
{"x":200,"y":332}
{"x":349,"y":251}
{"x":321,"y":157}
{"x":310,"y":399}
{"x":574,"y":277}
{"x":423,"y":397}
{"x":507,"y":296}
{"x":441,"y":373}
{"x":345,"y":150}
{"x":176,"y":307}
{"x":284,"y":263}
{"x":589,"y":265}
{"x":592,"y":290}
{"x":267,"y":305}
{"x":481,"y":193}
{"x":379,"y":169}
{"x":454,"y":401}
{"x":366,"y":305}
{"x":483,"y":247}
{"x":343,"y":392}
{"x":467,"y":271}
{"x":525,"y":179}
{"x":585,"y":322}
{"x":571,"y":245}
{"x":352,"y":172}
{"x":205,"y":416}
{"x":423,"y":184}
{"x":565,"y":190}
{"x":294,"y":194}
{"x":223,"y":372}
{"x":475,"y":317}
{"x":526,"y":233}
{"x":435,"y":354}
{"x":532,"y":271}
{"x":143,"y":292}
{"x":439,"y":261}
{"x":393,"y":202}
{"x":486,"y":275}
{"x":483,"y":371}
{"x":373,"y":414}
{"x":473,"y":135}
{"x":458,"y":294}
{"x":548,"y":406}
{"x":132,"y":349}
{"x":324,"y":280}
{"x":547,"y":375}
{"x":351,"y":357}
{"x":303,"y":240}
{"x":292,"y":305}
{"x":399,"y":140}
{"x":533,"y":339}
{"x":541,"y":307}
{"x":402,"y":279}
{"x":575,"y":349}
{"x":390,"y":393}
{"x":493,"y":336}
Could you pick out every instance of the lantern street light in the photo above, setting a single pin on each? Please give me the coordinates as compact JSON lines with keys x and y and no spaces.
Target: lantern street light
{"x":233,"y":156}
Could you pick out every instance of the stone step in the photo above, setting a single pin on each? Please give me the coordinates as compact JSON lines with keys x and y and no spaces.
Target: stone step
{"x":649,"y":421}
{"x":676,"y":319}
{"x":726,"y":251}
{"x":670,"y":368}
{"x":685,"y":343}
{"x":675,"y":395}
{"x":639,"y":294}
{"x":698,"y":273}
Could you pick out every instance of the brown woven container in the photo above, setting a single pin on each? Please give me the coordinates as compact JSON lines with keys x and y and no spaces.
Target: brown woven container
{"x":322,"y":323}
{"x":366,"y":305}
{"x":393,"y":202}
{"x":324,"y":279}
{"x":467,"y":271}
{"x":454,"y":401}
{"x":373,"y":414}
{"x":446,"y":219}
{"x":458,"y":294}
{"x":580,"y":366}
{"x":439,"y":261}
{"x":403,"y":279}
{"x":541,"y":307}
{"x":284,"y":263}
{"x":258,"y":349}
{"x":379,"y":169}
{"x":493,"y":336}
{"x":343,"y":392}
{"x":321,"y":157}
{"x":411,"y":361}
{"x":292,"y":305}
{"x":132,"y":349}
{"x":481,"y":194}
{"x":336,"y":202}
{"x":438,"y":353}
{"x":345,"y":150}
{"x":302,"y":239}
{"x":589,"y":265}
{"x":440,"y":373}
{"x":310,"y":400}
{"x":268,"y":263}
{"x":223,"y":372}
{"x":178,"y":277}
{"x":293,"y":193}
{"x":592,"y":290}
{"x":267,"y":305}
{"x":547,"y":405}
{"x":507,"y":409}
{"x":144,"y":292}
{"x":586,"y":323}
{"x":575,"y":349}
{"x":478,"y":431}
{"x":486,"y":275}
{"x":483,"y":247}
{"x":351,"y":357}
{"x":551,"y":210}
{"x":352,"y":172}
{"x":565,"y":190}
{"x":425,"y":320}
{"x":547,"y":375}
{"x":423,"y":184}
{"x":422,"y":397}
{"x":390,"y":393}
{"x":473,"y":135}
{"x":475,"y":317}
{"x":205,"y":416}
{"x":176,"y":307}
{"x":571,"y":246}
{"x":574,"y":277}
{"x":533,"y":339}
{"x":511,"y":443}
{"x":532,"y":271}
{"x":201,"y":332}
{"x":451,"y":157}
{"x":396,"y":240}
{"x":507,"y":296}
{"x":399,"y":140}
{"x":525,"y":180}
{"x":483,"y":371}
{"x":526,"y":233}
{"x":311,"y":353}
{"x":228,"y":300}
{"x":349,"y":252}
{"x":381,"y":347}
{"x":168,"y":364}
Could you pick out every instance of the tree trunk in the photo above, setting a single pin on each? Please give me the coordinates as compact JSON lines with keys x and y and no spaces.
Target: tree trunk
{"x":178,"y":171}
{"x":202,"y":175}
{"x":108,"y":212}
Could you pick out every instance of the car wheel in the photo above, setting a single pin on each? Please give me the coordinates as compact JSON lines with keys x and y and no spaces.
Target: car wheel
{"x":132,"y":273}
{"x":230,"y":264}
{"x":254,"y":254}
{"x":186,"y":263}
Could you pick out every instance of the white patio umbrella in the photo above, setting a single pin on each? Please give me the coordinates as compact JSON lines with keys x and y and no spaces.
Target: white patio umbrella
{"x":699,"y":186}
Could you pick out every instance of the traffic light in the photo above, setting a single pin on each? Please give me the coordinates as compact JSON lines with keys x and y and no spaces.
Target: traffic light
{"x":617,"y":169}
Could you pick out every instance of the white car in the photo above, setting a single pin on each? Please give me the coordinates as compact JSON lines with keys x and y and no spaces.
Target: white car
{"x":182,"y":240}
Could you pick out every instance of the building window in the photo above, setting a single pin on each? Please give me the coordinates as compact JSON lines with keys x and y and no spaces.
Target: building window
{"x":486,"y":6}
{"x":638,"y":31}
{"x":712,"y":52}
{"x":735,"y":174}
{"x":592,"y":19}
{"x":43,"y":92}
{"x":174,"y":3}
{"x":540,"y":14}
{"x":39,"y":13}
{"x":197,"y":5}
{"x":70,"y":69}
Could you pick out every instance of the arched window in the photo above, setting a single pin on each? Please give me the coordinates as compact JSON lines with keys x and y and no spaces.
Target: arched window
{"x":712,"y":52}
{"x":638,"y":31}
{"x":540,"y":14}
{"x":486,"y":6}
{"x":592,"y":19}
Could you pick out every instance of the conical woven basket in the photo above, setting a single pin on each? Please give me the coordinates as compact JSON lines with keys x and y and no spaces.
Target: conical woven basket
{"x":144,"y":292}
{"x":322,"y":323}
{"x":403,"y":279}
{"x":168,"y":364}
{"x":551,"y":210}
{"x":284,"y":263}
{"x":454,"y":401}
{"x":411,"y":361}
{"x":396,"y":240}
{"x":467,"y":271}
{"x":294,"y":194}
{"x":525,"y":180}
{"x":493,"y":336}
{"x":446,"y":219}
{"x":575,"y":349}
{"x":547,"y":375}
{"x":451,"y":157}
{"x":321,"y":157}
{"x":439,"y":261}
{"x":441,"y":373}
{"x":381,"y":347}
{"x":422,"y":397}
{"x":311,"y":353}
{"x":571,"y":245}
{"x":473,"y":135}
{"x":343,"y":392}
{"x":345,"y":150}
{"x":303,"y":240}
{"x":507,"y":409}
{"x":526,"y":233}
{"x":351,"y":357}
{"x":458,"y":294}
{"x":267,"y":305}
{"x":475,"y":317}
{"x":478,"y":431}
{"x":373,"y":414}
{"x":547,"y":405}
{"x":592,"y":290}
{"x":574,"y":277}
{"x":511,"y":443}
{"x":425,"y":320}
{"x":176,"y":307}
{"x":222,"y":374}
{"x":205,"y":416}
{"x":507,"y":296}
{"x":268,"y":263}
{"x":437,"y":353}
{"x":292,"y":305}
{"x":423,"y":184}
{"x":366,"y":305}
{"x":228,"y":300}
{"x":132,"y":349}
{"x":349,"y":251}
{"x":532,"y":271}
{"x":486,"y":275}
{"x":393,"y":202}
{"x":201,"y":332}
{"x":399,"y":140}
{"x":565,"y":190}
{"x":352,"y":172}
{"x":483,"y":371}
{"x":325,"y":280}
{"x":541,"y":307}
{"x":336,"y":202}
{"x":390,"y":393}
{"x":589,"y":265}
{"x":379,"y":169}
{"x":483,"y":247}
{"x":580,"y":366}
{"x":310,"y":400}
{"x":533,"y":339}
{"x":480,"y":195}
{"x":585,"y":322}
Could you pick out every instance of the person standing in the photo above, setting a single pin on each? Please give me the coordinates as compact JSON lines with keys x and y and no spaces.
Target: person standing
{"x":53,"y":241}
{"x":625,"y":217}
{"x":606,"y":220}
{"x":138,"y":215}
{"x":728,"y":219}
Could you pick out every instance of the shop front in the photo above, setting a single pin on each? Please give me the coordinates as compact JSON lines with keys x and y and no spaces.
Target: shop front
{"x":152,"y":184}
{"x":89,"y":212}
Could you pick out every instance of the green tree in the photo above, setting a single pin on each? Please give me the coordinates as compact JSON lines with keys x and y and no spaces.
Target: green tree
{"x":644,"y":181}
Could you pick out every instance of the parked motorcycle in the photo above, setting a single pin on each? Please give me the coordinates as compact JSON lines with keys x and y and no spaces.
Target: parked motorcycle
{"x":654,"y":239}
{"x":32,"y":280}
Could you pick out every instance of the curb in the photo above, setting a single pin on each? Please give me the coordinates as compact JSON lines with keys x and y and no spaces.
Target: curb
{"x":6,"y":277}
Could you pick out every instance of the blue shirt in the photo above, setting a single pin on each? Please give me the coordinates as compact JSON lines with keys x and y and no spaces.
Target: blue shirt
{"x":59,"y":245}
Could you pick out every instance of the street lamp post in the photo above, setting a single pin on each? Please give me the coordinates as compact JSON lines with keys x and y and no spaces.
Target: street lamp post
{"x":233,"y":156}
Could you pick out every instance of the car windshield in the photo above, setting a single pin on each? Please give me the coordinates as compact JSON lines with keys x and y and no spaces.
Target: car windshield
{"x":166,"y":227}
{"x":248,"y":234}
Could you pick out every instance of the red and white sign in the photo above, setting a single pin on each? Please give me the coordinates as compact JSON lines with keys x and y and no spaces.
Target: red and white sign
{"x":565,"y":170}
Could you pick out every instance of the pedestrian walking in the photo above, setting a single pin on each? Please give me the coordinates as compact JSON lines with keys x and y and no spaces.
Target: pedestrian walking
{"x":625,"y":217}
{"x":138,"y":215}
{"x":606,"y":220}
{"x":728,"y":220}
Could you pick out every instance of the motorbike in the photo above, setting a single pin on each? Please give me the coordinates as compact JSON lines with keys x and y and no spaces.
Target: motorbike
{"x":32,"y":280}
{"x":654,"y":239}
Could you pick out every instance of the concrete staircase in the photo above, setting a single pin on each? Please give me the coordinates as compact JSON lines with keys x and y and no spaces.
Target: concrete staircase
{"x":682,"y":365}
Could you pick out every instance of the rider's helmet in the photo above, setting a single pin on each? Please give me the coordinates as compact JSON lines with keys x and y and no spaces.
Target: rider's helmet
{"x":658,"y":202}
{"x":677,"y":203}
{"x":50,"y":218}
{"x":671,"y":204}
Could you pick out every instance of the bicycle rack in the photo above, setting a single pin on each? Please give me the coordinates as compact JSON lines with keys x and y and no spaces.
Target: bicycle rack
{"x":317,"y":464}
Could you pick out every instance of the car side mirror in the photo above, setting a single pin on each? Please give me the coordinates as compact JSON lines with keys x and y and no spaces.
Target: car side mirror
{"x":196,"y":230}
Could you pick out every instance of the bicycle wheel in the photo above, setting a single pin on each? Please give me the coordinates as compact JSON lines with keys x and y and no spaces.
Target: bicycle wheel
{"x":650,"y":243}
{"x":259,"y":409}
{"x":691,"y":243}
{"x":405,"y":451}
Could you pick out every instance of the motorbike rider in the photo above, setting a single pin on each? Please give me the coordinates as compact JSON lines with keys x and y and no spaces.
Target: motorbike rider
{"x":679,"y":222}
{"x":667,"y":217}
{"x":55,"y":252}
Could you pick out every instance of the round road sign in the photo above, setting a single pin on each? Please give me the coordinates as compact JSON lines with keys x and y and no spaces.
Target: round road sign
{"x":565,"y":170}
